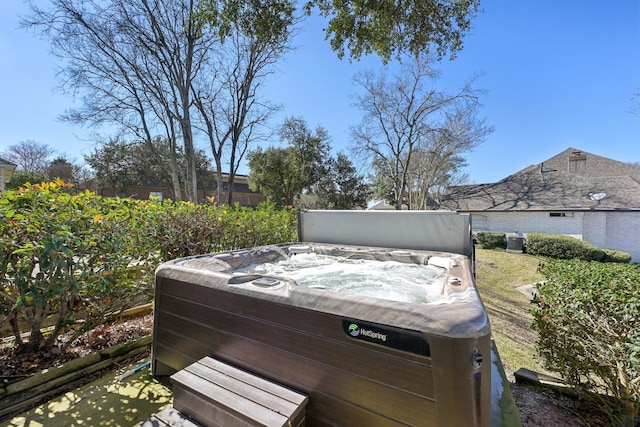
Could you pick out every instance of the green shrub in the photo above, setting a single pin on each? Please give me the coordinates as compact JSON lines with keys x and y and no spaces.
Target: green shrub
{"x":587,"y":316}
{"x":611,"y":255}
{"x":66,"y":256}
{"x":184,"y":229}
{"x":561,"y":247}
{"x":61,"y":254}
{"x":491,"y":240}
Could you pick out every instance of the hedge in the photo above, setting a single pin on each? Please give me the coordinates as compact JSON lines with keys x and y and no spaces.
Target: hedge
{"x":611,"y":255}
{"x":65,"y":255}
{"x":587,"y":316}
{"x":566,"y":247}
{"x":490,"y":240}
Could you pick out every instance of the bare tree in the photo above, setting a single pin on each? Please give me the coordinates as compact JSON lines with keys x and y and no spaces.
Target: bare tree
{"x":29,"y":156}
{"x":151,"y":66}
{"x":231,"y":112}
{"x":178,"y":41}
{"x":439,"y":159}
{"x":132,"y":62}
{"x":83,"y":177}
{"x":401,"y":118}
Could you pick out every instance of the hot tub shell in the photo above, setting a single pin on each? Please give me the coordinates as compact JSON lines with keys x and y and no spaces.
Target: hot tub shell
{"x":409,"y":364}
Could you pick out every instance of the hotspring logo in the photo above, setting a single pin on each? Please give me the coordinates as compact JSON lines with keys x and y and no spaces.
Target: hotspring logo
{"x":355,"y":330}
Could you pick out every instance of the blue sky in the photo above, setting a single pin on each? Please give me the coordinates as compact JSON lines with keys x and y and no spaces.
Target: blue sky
{"x":557,"y":74}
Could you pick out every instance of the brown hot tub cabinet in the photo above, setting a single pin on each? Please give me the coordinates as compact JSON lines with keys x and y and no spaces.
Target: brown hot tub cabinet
{"x":362,"y":361}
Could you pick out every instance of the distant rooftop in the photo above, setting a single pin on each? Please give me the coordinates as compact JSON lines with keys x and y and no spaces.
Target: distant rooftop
{"x":570,"y":180}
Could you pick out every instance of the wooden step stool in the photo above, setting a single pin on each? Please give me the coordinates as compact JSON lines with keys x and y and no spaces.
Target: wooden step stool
{"x":213,"y":393}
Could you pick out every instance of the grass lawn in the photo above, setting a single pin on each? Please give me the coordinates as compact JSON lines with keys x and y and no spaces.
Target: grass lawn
{"x":498,"y":274}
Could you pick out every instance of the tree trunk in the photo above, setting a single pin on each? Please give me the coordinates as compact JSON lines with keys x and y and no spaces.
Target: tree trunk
{"x":175,"y":183}
{"x":219,"y":181}
{"x":13,"y":322}
{"x":192,"y":179}
{"x":232,"y":178}
{"x":35,"y":337}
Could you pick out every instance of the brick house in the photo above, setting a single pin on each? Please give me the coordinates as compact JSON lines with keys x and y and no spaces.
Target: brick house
{"x":242,"y":194}
{"x":574,"y":193}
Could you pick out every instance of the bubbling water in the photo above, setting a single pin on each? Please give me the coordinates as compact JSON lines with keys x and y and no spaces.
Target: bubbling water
{"x":390,"y":280}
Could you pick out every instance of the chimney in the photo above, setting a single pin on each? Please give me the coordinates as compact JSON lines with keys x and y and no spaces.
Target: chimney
{"x":577,"y":163}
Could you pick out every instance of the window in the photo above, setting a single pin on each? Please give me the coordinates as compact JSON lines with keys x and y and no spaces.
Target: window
{"x":560,"y":214}
{"x":157,"y":195}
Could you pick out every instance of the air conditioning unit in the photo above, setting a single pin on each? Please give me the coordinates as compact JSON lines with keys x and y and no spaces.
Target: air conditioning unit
{"x":515,"y":243}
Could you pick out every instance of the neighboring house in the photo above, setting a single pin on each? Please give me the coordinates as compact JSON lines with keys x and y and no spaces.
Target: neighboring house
{"x":242,"y":194}
{"x":574,"y":193}
{"x":6,"y":172}
{"x":383,"y":205}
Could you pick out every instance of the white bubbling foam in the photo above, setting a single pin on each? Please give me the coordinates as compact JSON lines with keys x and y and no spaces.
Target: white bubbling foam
{"x":389,"y":280}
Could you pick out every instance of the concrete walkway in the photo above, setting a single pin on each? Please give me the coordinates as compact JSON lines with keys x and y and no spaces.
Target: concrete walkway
{"x":528,"y":290}
{"x":108,"y":401}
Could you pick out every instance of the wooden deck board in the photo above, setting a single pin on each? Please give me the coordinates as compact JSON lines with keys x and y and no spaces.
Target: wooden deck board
{"x":215,"y":393}
{"x":220,"y":396}
{"x":256,"y":382}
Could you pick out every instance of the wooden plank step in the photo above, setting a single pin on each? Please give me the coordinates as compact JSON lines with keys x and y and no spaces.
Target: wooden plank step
{"x":214,"y":393}
{"x":169,"y":417}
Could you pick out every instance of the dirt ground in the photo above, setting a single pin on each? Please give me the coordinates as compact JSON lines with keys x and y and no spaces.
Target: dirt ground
{"x":540,"y":407}
{"x":14,"y":365}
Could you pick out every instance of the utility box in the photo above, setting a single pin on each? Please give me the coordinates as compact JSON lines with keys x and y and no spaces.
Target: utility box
{"x":515,"y":243}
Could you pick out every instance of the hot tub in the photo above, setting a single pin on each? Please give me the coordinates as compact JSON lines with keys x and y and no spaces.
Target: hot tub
{"x":388,"y":352}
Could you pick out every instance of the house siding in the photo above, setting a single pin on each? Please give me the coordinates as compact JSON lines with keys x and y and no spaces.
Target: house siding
{"x":595,"y":228}
{"x":528,"y":222}
{"x":610,"y":230}
{"x":143,"y":193}
{"x":242,"y":194}
{"x":622,"y":233}
{"x":591,"y":197}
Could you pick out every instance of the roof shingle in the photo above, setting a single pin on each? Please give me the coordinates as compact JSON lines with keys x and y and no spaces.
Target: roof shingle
{"x":571,"y":180}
